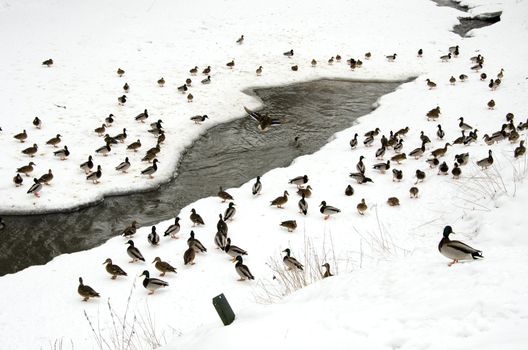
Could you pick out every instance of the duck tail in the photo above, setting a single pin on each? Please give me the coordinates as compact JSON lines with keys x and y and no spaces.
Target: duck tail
{"x":477,"y":255}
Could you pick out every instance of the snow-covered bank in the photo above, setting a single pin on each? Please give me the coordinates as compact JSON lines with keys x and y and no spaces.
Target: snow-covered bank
{"x":400,"y":262}
{"x":97,"y":42}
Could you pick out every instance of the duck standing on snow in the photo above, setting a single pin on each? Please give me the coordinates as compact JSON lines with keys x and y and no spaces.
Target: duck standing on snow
{"x":133,"y":252}
{"x":123,"y":167}
{"x":85,"y":291}
{"x":456,"y":250}
{"x":220,"y":240}
{"x":104,"y":150}
{"x":189,"y":256}
{"x":152,"y":284}
{"x":151,"y":169}
{"x":306,"y":191}
{"x":46,"y":178}
{"x":31,"y":151}
{"x":18,"y":180}
{"x":288,"y":54}
{"x":21,"y":136}
{"x":303,"y":205}
{"x":362,"y":207}
{"x":196,"y":218}
{"x":163,"y":266}
{"x":48,"y":62}
{"x":54,"y":141}
{"x":281,"y":200}
{"x":486,"y":162}
{"x":328,"y":210}
{"x":327,"y":272}
{"x":242,"y":270}
{"x":96,"y":175}
{"x":173,"y":229}
{"x":290,"y":261}
{"x":141,"y":117}
{"x":37,"y":123}
{"x":520,"y":151}
{"x":291,"y":225}
{"x":221,"y":225}
{"x":224,"y":196}
{"x":35,"y":188}
{"x":230,"y":212}
{"x":121,"y":100}
{"x":194,"y":243}
{"x":62,"y":153}
{"x":197,"y":119}
{"x":232,"y":250}
{"x":113,"y":270}
{"x":153,"y":237}
{"x":257,"y":187}
{"x":130,"y":230}
{"x":87,"y":166}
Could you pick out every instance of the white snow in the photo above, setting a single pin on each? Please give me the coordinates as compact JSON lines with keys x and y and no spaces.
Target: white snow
{"x":394,"y":289}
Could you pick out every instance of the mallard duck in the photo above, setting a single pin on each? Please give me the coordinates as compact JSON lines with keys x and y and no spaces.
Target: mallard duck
{"x":21,"y":136}
{"x":353,"y":142}
{"x":31,"y":151}
{"x":360,"y":178}
{"x":120,"y":72}
{"x":220,"y":240}
{"x":130,"y":230}
{"x":477,"y":67}
{"x":48,"y":62}
{"x":328,"y":210}
{"x":393,"y":201}
{"x":433,"y":114}
{"x":327,"y":272}
{"x":281,"y":200}
{"x":224,"y":196}
{"x":153,"y":237}
{"x":462,"y":159}
{"x":196,"y":218}
{"x":440,"y":152}
{"x":291,"y":225}
{"x":331,"y":60}
{"x":430,"y":84}
{"x":141,"y":117}
{"x":96,"y":175}
{"x":368,"y":55}
{"x":367,"y":142}
{"x":110,"y":140}
{"x":472,"y":137}
{"x":206,"y":70}
{"x":303,"y":205}
{"x":443,"y":169}
{"x":380,"y":152}
{"x":85,"y":291}
{"x":123,"y":167}
{"x":433,"y":162}
{"x":362,"y":207}
{"x":173,"y":229}
{"x":161,"y":138}
{"x":399,"y":158}
{"x":113,"y":270}
{"x":306,"y":191}
{"x":151,"y":169}
{"x":54,"y":141}
{"x":445,"y":58}
{"x":37,"y":123}
{"x":197,"y":119}
{"x":514,"y":136}
{"x":259,"y":71}
{"x":391,"y":58}
{"x":491,"y":104}
{"x":154,"y":150}
{"x":264,"y":121}
{"x":398,"y":146}
{"x":152,"y":284}
{"x":288,"y":54}
{"x":295,"y":68}
{"x":196,"y":244}
{"x":26,"y":169}
{"x":257,"y":187}
{"x":460,"y":140}
{"x":100,"y":130}
{"x":161,"y":82}
{"x":486,"y":162}
{"x":462,"y":77}
{"x":382,"y":167}
{"x":420,"y":176}
{"x":104,"y":150}
{"x":35,"y":188}
{"x":464,"y":126}
{"x":62,"y":153}
{"x":483,"y":76}
{"x":188,"y":82}
{"x":349,"y":191}
{"x":520,"y":150}
{"x":121,"y":137}
{"x":207,"y":80}
{"x":402,"y":132}
{"x":290,"y":261}
{"x":452,"y":80}
{"x":456,"y":250}
{"x":314,"y":62}
{"x":418,"y":152}
{"x":299,"y":181}
{"x":242,"y":270}
{"x":230,"y":64}
{"x":420,"y":53}
{"x":397,"y":175}
{"x":121,"y":100}
{"x":183,"y":88}
{"x":230,"y":212}
{"x":233,"y":250}
{"x":133,"y":252}
{"x":163,"y":266}
{"x":440,"y":133}
{"x":46,"y":178}
{"x":413,"y":191}
{"x":126,"y":88}
{"x":189,"y":256}
{"x":18,"y":180}
{"x":456,"y":171}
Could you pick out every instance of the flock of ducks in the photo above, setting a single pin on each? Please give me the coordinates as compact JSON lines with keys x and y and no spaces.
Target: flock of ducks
{"x":454,"y":250}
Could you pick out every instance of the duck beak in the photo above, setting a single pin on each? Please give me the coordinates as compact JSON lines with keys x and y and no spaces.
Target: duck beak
{"x":153,"y":261}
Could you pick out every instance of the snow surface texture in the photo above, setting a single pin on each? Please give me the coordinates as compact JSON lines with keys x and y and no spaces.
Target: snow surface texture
{"x":400,"y":292}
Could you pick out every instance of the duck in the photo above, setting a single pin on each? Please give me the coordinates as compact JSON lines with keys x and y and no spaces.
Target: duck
{"x":362,"y":207}
{"x":328,"y":210}
{"x":477,"y":67}
{"x":183,"y":88}
{"x":31,"y":151}
{"x":493,"y":85}
{"x":207,"y":70}
{"x":120,"y":72}
{"x":491,"y":104}
{"x":367,"y":142}
{"x":353,"y":142}
{"x":382,"y":167}
{"x":162,"y":266}
{"x":430,"y":84}
{"x":113,"y":270}
{"x":46,"y":178}
{"x":230,"y":212}
{"x":161,"y":137}
{"x":194,"y":70}
{"x":291,"y":225}
{"x":483,"y":76}
{"x":460,"y":140}
{"x":48,"y":62}
{"x":18,"y":180}
{"x":314,"y":62}
{"x":299,"y":181}
{"x":372,"y":133}
{"x":121,"y":137}
{"x":87,"y":166}
{"x":121,"y":100}
{"x":257,"y":187}
{"x":153,"y":237}
{"x":295,"y":68}
{"x":230,"y":64}
{"x":440,"y":133}
{"x":173,"y":229}
{"x":259,"y":71}
{"x":189,"y":256}
{"x":486,"y":162}
{"x":456,"y":171}
{"x":281,"y":200}
{"x":154,"y":150}
{"x":452,"y":80}
{"x":393,"y":201}
{"x":472,"y":137}
{"x":21,"y":136}
{"x":110,"y":140}
{"x":464,"y":126}
{"x":96,"y":175}
{"x":432,"y":162}
{"x":62,"y":153}
{"x":456,"y":250}
{"x":130,"y":230}
{"x":188,"y":82}
{"x":133,"y":252}
{"x":380,"y":152}
{"x":221,"y":225}
{"x":477,"y":58}
{"x":360,"y":178}
{"x":37,"y":123}
{"x":224,"y":196}
{"x":54,"y":141}
{"x":443,"y":169}
{"x":306,"y":191}
{"x":418,"y":152}
{"x":190,"y":97}
{"x":197,"y":119}
{"x":433,"y":114}
{"x":462,"y":77}
{"x":152,"y":284}
{"x":220,"y":240}
{"x":303,"y":205}
{"x":233,"y":250}
{"x":398,"y":158}
{"x":331,"y":60}
{"x":424,"y":138}
{"x":402,"y":132}
{"x":462,"y":159}
{"x":126,"y":88}
{"x":242,"y":270}
{"x":368,"y":55}
{"x":445,"y":58}
{"x":161,"y":82}
{"x":519,"y":151}
{"x":264,"y":121}
{"x":349,"y":191}
{"x":288,"y":54}
{"x":196,"y":218}
{"x":100,"y":130}
{"x":391,"y":58}
{"x":134,"y":146}
{"x":35,"y":188}
{"x":397,"y":175}
{"x":440,"y":152}
{"x":420,"y":53}
{"x":26,"y":169}
{"x":85,"y":291}
{"x":420,"y":176}
{"x":413,"y":192}
{"x":398,"y":146}
{"x":141,"y":117}
{"x":151,"y":169}
{"x":290,"y":261}
{"x":104,"y":150}
{"x":514,"y":136}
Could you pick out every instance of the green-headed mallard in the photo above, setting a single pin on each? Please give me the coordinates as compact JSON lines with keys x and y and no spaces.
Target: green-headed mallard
{"x":456,"y":250}
{"x":151,"y":169}
{"x":113,"y":270}
{"x":134,"y":146}
{"x":152,"y":284}
{"x":281,"y":200}
{"x":62,"y":153}
{"x":290,"y":261}
{"x":163,"y":266}
{"x":520,"y":151}
{"x":233,"y":250}
{"x":133,"y":252}
{"x":194,"y":243}
{"x":173,"y":229}
{"x":220,"y":240}
{"x":37,"y":123}
{"x":328,"y":210}
{"x":161,"y":82}
{"x":456,"y":171}
{"x":382,"y":167}
{"x":230,"y":212}
{"x":123,"y":166}
{"x":87,"y":166}
{"x":96,"y":175}
{"x":291,"y":225}
{"x":303,"y":205}
{"x":486,"y":162}
{"x":48,"y":62}
{"x":242,"y":270}
{"x":462,"y":159}
{"x":360,"y":178}
{"x":397,"y":175}
{"x":35,"y":188}
{"x":153,"y":236}
{"x":257,"y":187}
{"x":259,"y":71}
{"x":354,"y":141}
{"x":420,"y":176}
{"x":85,"y":291}
{"x":491,"y":104}
{"x":300,"y":181}
{"x":443,"y":169}
{"x":221,"y":225}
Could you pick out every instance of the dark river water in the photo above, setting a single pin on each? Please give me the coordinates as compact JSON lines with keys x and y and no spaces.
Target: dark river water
{"x":228,"y":154}
{"x":469,"y":23}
